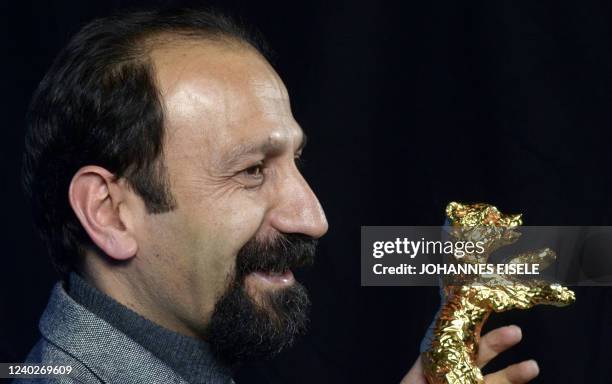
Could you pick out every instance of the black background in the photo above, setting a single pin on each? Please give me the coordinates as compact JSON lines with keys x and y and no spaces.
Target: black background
{"x":407,"y":105}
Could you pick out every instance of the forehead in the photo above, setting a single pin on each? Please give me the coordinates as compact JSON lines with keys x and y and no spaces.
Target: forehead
{"x":221,"y":94}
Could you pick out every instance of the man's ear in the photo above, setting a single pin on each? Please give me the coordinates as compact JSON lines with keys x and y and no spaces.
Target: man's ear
{"x":99,"y":202}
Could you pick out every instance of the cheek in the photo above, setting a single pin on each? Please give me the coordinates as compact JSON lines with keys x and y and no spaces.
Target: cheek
{"x":193,"y":251}
{"x":216,"y":231}
{"x":215,"y":236}
{"x":235,"y":223}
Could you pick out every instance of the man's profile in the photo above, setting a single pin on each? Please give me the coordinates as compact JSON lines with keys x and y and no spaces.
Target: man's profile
{"x":160,"y":160}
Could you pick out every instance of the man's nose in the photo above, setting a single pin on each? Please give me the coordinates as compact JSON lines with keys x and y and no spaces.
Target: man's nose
{"x":297,"y":209}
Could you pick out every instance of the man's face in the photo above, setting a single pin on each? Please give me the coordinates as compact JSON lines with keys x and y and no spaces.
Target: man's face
{"x":230,"y":149}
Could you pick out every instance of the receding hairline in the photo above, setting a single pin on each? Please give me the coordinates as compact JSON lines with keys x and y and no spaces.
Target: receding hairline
{"x":146,"y":45}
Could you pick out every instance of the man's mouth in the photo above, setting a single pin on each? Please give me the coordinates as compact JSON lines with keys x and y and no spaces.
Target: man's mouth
{"x":271,"y":278}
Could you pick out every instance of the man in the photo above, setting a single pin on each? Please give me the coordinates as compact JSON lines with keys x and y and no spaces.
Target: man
{"x":161,"y":162}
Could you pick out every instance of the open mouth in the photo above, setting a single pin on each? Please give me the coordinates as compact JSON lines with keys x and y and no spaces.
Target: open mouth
{"x":271,"y":278}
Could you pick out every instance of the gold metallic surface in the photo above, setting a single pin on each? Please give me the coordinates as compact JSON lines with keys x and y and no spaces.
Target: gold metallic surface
{"x":451,"y":357}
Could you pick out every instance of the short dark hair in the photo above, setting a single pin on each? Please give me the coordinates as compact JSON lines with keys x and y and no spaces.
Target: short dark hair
{"x":99,"y":105}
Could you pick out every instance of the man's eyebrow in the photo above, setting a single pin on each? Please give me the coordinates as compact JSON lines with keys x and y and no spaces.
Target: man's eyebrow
{"x":268,"y":147}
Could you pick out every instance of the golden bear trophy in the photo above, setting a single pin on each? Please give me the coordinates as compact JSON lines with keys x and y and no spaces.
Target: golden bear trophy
{"x":469,"y":300}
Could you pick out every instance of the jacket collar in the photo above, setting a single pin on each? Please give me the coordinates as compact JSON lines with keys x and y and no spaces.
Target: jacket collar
{"x":108,"y":353}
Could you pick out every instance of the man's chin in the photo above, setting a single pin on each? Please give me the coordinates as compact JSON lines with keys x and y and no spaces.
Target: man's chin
{"x":259,"y":319}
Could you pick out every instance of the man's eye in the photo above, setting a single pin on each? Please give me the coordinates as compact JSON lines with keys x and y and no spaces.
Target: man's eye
{"x":252,"y":176}
{"x":255,"y":171}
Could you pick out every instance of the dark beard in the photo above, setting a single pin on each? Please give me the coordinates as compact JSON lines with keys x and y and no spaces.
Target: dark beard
{"x":242,"y":329}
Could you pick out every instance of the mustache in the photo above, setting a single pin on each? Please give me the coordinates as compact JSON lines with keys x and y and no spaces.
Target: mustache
{"x":284,"y":252}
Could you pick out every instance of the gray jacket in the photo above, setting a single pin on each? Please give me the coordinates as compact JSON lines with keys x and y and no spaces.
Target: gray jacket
{"x":96,"y":351}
